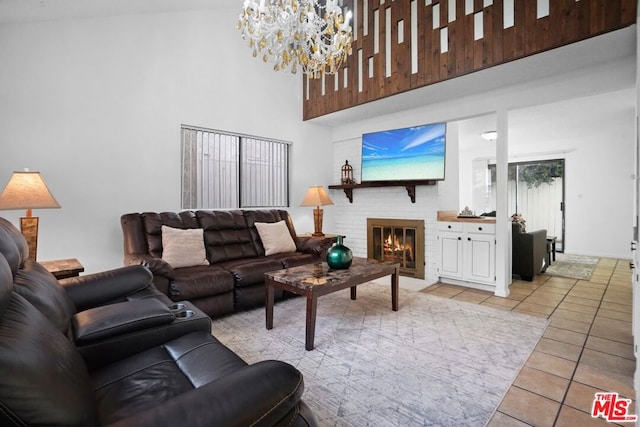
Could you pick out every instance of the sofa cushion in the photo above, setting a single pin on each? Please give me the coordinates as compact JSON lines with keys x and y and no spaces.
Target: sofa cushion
{"x":12,"y":245}
{"x":268,"y":216}
{"x":200,"y":281}
{"x":44,"y":380}
{"x":183,"y":248}
{"x":250,"y":271}
{"x":41,"y":289}
{"x":132,"y":385}
{"x":275,"y":237}
{"x":226,"y":235}
{"x":153,"y":223}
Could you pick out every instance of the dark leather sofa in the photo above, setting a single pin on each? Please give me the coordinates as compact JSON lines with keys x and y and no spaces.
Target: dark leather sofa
{"x":528,"y":252}
{"x":234,"y":278}
{"x":110,"y":350}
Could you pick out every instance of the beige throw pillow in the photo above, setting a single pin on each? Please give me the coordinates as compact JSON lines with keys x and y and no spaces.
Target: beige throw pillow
{"x":183,"y":248}
{"x":275,"y":237}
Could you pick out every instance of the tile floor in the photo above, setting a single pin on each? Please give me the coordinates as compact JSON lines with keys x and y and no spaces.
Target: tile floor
{"x":588,"y":346}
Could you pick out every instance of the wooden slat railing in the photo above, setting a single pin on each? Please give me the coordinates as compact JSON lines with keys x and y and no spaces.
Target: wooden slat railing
{"x":466,"y":49}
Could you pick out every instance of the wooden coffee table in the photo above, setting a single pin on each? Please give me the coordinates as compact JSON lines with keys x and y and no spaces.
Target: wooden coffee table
{"x":314,"y":280}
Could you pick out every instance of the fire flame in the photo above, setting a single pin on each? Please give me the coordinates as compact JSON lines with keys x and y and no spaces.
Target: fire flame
{"x":392,"y":245}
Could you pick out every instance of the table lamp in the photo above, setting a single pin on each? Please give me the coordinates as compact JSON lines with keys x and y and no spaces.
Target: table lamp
{"x":27,"y":190}
{"x":317,"y":196}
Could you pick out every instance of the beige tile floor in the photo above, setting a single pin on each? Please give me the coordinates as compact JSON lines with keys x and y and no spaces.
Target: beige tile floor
{"x":588,"y":346}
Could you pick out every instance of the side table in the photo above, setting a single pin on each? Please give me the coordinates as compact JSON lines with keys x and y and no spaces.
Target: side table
{"x":63,"y":268}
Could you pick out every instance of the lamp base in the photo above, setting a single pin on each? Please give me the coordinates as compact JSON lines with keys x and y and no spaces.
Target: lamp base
{"x":317,"y":222}
{"x":29,"y":229}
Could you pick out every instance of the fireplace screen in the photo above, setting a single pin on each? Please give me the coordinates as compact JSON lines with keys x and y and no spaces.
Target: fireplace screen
{"x":397,"y":240}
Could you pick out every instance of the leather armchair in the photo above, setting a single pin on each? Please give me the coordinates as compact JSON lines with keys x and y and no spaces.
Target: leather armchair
{"x":125,"y":363}
{"x":192,"y":380}
{"x":107,"y":315}
{"x":528,"y":252}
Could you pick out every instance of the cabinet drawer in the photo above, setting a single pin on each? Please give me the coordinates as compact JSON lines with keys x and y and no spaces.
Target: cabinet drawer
{"x":474,"y":227}
{"x":449,"y":226}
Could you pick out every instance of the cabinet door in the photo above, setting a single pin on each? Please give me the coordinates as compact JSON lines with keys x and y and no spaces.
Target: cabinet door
{"x":450,"y":262}
{"x":479,"y":258}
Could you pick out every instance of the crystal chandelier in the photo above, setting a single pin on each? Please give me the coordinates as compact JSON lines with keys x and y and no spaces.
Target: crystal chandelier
{"x":298,"y":33}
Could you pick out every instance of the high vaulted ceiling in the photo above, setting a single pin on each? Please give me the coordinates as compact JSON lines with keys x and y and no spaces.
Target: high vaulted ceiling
{"x":44,"y":10}
{"x":592,"y":60}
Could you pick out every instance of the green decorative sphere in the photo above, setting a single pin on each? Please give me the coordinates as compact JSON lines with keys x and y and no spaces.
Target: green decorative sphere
{"x":339,"y":256}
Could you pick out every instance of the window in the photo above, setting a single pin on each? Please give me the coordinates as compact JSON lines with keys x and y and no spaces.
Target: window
{"x":222,"y":170}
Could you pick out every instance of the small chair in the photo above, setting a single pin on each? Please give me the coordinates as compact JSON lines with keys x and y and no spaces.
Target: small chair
{"x":529,"y":251}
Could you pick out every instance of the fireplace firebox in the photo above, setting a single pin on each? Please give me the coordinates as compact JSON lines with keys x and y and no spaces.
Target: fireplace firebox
{"x":397,"y":240}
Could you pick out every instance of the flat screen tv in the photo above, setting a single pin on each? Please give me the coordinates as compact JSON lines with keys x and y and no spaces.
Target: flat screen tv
{"x":409,"y":154}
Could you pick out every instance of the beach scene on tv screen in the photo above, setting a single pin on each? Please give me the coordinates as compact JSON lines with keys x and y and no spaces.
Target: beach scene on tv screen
{"x":414,"y":153}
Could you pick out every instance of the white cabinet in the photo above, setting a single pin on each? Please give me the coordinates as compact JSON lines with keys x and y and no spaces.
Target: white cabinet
{"x":467,"y":252}
{"x":480,"y":258}
{"x":450,"y":249}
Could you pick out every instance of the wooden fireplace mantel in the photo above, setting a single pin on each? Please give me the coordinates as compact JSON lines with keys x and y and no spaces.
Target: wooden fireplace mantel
{"x":410,"y":186}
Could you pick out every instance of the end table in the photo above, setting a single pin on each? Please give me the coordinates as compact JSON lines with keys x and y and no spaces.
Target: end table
{"x":63,"y":268}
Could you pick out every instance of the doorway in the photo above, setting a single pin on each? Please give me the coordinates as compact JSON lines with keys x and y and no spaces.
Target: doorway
{"x":536,"y":191}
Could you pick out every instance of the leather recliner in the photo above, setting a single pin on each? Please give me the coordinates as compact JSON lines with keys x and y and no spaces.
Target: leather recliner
{"x":138,"y":315}
{"x":192,"y":379}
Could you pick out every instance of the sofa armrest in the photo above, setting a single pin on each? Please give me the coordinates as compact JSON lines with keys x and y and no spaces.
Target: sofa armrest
{"x":261,"y":394}
{"x":92,"y":290}
{"x":117,"y":319}
{"x":188,"y":318}
{"x":314,"y":245}
{"x":157,"y":266}
{"x":539,"y":248}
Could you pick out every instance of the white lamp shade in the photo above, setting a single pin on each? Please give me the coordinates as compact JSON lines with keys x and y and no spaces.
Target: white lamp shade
{"x":27,"y":190}
{"x":316,"y":196}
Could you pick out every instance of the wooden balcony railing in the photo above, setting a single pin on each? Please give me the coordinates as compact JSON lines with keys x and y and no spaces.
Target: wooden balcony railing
{"x":401,"y":45}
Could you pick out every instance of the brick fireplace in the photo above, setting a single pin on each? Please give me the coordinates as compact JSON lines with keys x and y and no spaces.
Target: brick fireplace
{"x":398,"y":240}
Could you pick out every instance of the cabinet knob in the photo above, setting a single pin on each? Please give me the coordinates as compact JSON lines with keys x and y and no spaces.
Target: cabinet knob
{"x":448,"y":226}
{"x":469,"y":238}
{"x":459,"y":238}
{"x":479,"y":228}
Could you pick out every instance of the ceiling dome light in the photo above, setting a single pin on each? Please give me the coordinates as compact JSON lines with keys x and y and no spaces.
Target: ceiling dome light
{"x":489,"y":135}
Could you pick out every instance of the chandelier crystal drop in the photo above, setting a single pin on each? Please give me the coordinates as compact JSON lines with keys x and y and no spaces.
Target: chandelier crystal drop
{"x":297,"y":34}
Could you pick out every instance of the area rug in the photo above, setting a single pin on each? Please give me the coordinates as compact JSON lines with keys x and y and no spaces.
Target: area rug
{"x":436,"y":361}
{"x":573,"y":266}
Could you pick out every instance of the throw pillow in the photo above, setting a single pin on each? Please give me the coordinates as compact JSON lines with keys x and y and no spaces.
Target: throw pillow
{"x":183,"y":248}
{"x":275,"y":237}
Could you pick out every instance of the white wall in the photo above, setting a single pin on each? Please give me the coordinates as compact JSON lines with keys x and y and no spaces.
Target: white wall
{"x":96,"y":106}
{"x":393,"y":202}
{"x":603,"y":233}
{"x":595,"y":136}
